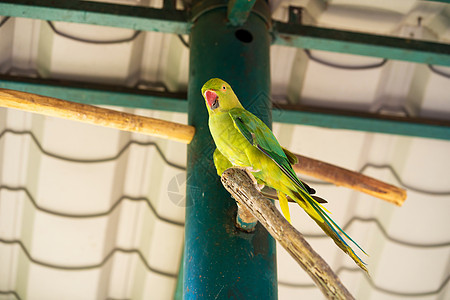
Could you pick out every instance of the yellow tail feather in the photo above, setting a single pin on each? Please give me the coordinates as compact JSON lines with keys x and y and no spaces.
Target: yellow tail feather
{"x":284,"y":205}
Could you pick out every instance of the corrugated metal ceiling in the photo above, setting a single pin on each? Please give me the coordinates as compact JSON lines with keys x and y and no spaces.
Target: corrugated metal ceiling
{"x":93,"y":213}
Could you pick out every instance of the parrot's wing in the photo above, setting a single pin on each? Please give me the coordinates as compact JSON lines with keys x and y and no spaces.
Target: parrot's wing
{"x":291,"y":156}
{"x":260,"y":136}
{"x":270,"y":193}
{"x":293,"y":159}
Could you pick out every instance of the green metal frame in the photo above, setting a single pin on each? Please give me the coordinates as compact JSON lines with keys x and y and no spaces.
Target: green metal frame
{"x":96,"y":94}
{"x":166,"y":20}
{"x":219,"y":260}
{"x":176,"y":102}
{"x":309,"y":37}
{"x":366,"y":122}
{"x":169,"y":20}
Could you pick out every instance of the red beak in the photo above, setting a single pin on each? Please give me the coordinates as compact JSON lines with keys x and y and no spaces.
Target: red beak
{"x":210,"y":97}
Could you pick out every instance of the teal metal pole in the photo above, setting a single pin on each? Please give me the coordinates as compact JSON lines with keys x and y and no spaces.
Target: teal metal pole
{"x":221,"y":262}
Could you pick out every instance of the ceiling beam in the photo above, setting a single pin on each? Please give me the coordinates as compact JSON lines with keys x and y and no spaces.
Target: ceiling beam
{"x":167,"y":19}
{"x":395,"y":48}
{"x":362,"y":121}
{"x":97,"y":94}
{"x":291,"y":34}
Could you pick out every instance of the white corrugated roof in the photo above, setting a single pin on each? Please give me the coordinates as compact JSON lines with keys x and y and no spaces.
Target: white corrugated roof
{"x":93,"y":213}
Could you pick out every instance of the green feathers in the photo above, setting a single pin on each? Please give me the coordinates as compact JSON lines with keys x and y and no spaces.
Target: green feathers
{"x":243,"y":140}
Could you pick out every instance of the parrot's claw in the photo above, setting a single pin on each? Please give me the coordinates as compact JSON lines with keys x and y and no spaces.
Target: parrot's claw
{"x":252,"y":170}
{"x":249,"y":171}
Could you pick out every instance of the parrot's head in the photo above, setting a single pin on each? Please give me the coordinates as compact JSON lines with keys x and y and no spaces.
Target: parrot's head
{"x":219,"y":96}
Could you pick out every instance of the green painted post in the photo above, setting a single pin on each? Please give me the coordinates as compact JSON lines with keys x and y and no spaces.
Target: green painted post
{"x":221,"y":262}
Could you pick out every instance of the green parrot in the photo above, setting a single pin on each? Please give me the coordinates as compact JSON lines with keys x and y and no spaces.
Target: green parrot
{"x":243,"y":140}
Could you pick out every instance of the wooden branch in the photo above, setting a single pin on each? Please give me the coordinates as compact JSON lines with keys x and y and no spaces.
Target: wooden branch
{"x":239,"y":183}
{"x":343,"y":177}
{"x":95,"y":115}
{"x":184,"y":133}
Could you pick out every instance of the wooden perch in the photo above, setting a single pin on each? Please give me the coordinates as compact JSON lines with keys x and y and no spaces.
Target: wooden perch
{"x":96,"y":115}
{"x":239,"y":183}
{"x":184,"y":133}
{"x":343,"y":177}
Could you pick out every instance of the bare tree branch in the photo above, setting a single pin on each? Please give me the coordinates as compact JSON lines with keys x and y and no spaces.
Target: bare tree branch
{"x":184,"y":133}
{"x":239,"y":183}
{"x":354,"y":180}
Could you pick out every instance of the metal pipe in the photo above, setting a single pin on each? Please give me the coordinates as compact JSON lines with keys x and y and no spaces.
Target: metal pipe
{"x":220,"y":260}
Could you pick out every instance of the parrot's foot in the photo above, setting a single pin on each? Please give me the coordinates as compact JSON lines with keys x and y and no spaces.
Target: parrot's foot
{"x":249,"y":171}
{"x":259,"y":186}
{"x":252,"y":170}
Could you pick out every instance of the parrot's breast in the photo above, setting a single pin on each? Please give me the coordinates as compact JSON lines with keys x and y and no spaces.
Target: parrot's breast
{"x":230,"y":142}
{"x":235,"y":147}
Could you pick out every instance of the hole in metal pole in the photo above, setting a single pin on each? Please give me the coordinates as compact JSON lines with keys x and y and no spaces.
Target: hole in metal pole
{"x":244,"y":36}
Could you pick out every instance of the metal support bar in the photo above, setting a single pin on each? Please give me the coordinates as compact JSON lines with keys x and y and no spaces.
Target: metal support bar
{"x":176,"y":21}
{"x":222,"y":262}
{"x":96,"y":94}
{"x":238,"y":11}
{"x":309,"y":37}
{"x":368,"y":122}
{"x":166,"y":20}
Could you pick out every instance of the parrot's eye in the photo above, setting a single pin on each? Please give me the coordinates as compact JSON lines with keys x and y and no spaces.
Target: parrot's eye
{"x":224,"y":88}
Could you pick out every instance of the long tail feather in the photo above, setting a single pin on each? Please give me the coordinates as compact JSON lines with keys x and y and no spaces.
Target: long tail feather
{"x":331,"y":228}
{"x":284,"y":205}
{"x":343,"y":232}
{"x":328,"y":228}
